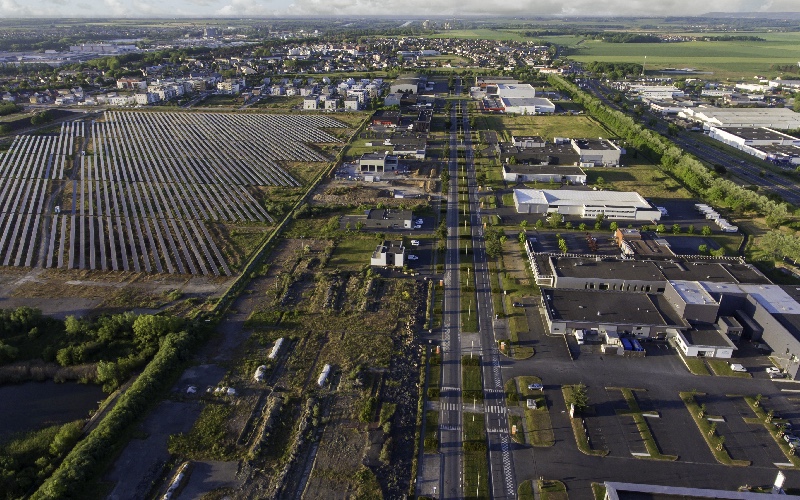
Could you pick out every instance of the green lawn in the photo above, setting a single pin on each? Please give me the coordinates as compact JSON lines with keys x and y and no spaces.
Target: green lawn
{"x":696,"y":365}
{"x":481,"y":34}
{"x":352,"y":252}
{"x":431,"y":431}
{"x":476,"y":469}
{"x":472,"y":385}
{"x":540,"y":430}
{"x":722,"y":368}
{"x":547,"y":127}
{"x":552,"y":490}
{"x":639,"y":176}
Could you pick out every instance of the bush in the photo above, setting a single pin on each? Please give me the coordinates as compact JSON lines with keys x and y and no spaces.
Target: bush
{"x":86,"y":458}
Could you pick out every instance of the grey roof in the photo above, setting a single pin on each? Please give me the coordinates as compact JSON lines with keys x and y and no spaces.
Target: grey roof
{"x":613,"y":308}
{"x":709,"y":335}
{"x":607,"y":269}
{"x":544,"y":169}
{"x":755,"y":133}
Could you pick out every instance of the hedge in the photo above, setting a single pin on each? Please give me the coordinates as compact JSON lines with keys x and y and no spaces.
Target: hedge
{"x":85,"y":459}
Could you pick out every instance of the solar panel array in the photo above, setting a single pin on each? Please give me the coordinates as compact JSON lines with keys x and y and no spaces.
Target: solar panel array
{"x":141,"y":199}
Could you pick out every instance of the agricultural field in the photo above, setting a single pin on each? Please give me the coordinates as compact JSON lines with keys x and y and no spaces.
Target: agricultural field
{"x":155,"y":192}
{"x":730,"y":59}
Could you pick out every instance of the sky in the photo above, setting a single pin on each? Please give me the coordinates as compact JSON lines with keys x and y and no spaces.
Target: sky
{"x":259,"y":8}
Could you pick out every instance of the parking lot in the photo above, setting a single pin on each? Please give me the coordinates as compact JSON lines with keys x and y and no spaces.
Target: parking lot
{"x":658,"y":379}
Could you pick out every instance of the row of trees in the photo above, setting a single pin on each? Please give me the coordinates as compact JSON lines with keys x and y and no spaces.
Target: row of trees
{"x":690,"y":171}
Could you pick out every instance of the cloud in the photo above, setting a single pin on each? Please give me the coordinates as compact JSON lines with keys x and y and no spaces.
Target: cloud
{"x":416,"y":8}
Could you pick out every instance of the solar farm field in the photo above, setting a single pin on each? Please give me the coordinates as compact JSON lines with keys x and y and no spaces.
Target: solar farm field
{"x":139,"y":191}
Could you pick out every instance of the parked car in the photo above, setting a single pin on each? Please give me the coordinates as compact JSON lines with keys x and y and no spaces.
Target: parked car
{"x":412,"y":257}
{"x":414,"y":243}
{"x":774,"y":372}
{"x":738,"y":368}
{"x":517,"y":304}
{"x":420,"y":221}
{"x":535,"y":387}
{"x":417,"y":226}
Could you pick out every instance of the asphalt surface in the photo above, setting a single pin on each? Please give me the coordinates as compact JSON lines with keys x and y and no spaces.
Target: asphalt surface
{"x":501,"y":468}
{"x":451,"y":417}
{"x":658,"y":380}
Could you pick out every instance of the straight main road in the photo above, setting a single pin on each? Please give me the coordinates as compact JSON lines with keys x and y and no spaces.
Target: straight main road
{"x":451,"y":418}
{"x":501,"y":467}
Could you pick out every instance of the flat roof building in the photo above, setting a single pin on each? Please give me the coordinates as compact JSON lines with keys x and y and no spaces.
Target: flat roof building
{"x":543,"y":173}
{"x":597,"y":151}
{"x":389,"y":253}
{"x":777,"y":118}
{"x":586,"y":204}
{"x":377,"y":162}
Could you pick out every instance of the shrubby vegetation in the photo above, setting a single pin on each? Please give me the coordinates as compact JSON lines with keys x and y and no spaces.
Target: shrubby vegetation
{"x":87,"y":458}
{"x":27,"y":460}
{"x":612,"y":68}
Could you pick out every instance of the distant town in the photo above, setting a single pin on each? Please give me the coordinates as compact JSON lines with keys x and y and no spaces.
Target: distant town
{"x":529,"y":258}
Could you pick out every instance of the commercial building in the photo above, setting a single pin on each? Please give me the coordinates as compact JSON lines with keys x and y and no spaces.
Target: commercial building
{"x":775,"y":118}
{"x":630,"y":491}
{"x":586,"y":204}
{"x":656,"y":91}
{"x":407,"y":84}
{"x":544,"y":173}
{"x":706,"y":308}
{"x":762,"y":142}
{"x":377,"y":162}
{"x":521,"y":99}
{"x":389,"y":253}
{"x":597,"y":152}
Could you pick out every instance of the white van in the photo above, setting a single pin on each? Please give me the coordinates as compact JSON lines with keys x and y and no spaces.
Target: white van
{"x":579,"y":336}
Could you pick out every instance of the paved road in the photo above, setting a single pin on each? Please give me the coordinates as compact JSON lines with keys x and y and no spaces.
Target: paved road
{"x":501,"y":468}
{"x":746,"y":171}
{"x":450,"y":419}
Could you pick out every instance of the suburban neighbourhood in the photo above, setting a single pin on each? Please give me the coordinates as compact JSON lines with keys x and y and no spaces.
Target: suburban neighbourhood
{"x":348,"y":257}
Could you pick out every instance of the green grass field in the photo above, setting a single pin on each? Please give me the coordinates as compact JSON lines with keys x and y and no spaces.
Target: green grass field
{"x":642,"y":177}
{"x":353,"y":252}
{"x":544,"y":126}
{"x":472,"y":386}
{"x":724,"y":59}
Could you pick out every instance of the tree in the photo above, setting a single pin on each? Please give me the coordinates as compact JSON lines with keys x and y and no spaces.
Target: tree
{"x":706,"y":231}
{"x":554,"y":219}
{"x":676,"y":229}
{"x":613,"y":226}
{"x":148,"y":329}
{"x":600,"y":181}
{"x":660,"y":228}
{"x":702,"y":249}
{"x":690,"y":229}
{"x":582,"y":226}
{"x":579,"y":398}
{"x":539,"y":224}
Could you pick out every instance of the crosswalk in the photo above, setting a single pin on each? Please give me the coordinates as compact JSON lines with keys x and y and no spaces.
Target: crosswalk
{"x":496,"y":409}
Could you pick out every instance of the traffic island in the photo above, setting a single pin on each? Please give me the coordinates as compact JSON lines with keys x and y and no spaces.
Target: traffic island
{"x":578,"y":405}
{"x":773,"y":426}
{"x":640,"y":418}
{"x":714,"y":441}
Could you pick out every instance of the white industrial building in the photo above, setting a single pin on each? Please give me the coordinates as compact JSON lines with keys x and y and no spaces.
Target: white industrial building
{"x":586,"y":204}
{"x":520,"y":98}
{"x":762,"y":142}
{"x":656,"y":91}
{"x":596,"y":152}
{"x":776,"y":118}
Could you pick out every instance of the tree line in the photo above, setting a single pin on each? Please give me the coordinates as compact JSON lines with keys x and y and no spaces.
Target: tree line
{"x":683,"y":166}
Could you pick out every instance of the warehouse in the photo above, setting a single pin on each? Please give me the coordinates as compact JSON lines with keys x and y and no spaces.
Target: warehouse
{"x":594,"y":152}
{"x":544,"y":173}
{"x":586,"y":204}
{"x":776,"y":118}
{"x":521,"y":99}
